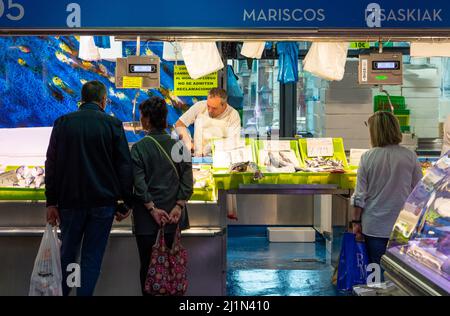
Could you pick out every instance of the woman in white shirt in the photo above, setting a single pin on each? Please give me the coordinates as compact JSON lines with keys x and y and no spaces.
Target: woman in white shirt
{"x":387,"y":175}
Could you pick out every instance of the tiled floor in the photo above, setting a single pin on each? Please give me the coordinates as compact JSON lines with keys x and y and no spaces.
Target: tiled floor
{"x":257,"y":267}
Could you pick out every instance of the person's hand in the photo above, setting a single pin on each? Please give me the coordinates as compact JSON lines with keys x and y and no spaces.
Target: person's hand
{"x":53,"y":215}
{"x":120,"y":217}
{"x":160,"y":216}
{"x":175,"y":215}
{"x":357,"y":230}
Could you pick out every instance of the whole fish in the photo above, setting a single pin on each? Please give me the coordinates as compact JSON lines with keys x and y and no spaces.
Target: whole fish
{"x":65,"y":48}
{"x":22,"y":48}
{"x":67,"y":60}
{"x":40,"y":180}
{"x":61,"y":84}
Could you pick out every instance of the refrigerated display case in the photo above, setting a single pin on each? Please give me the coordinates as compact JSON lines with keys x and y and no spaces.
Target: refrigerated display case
{"x":418,"y":255}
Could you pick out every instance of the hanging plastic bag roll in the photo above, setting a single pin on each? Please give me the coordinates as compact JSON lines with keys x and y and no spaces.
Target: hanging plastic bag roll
{"x":46,"y":278}
{"x":88,"y":51}
{"x":201,"y":59}
{"x":253,"y":49}
{"x":234,"y":91}
{"x":288,"y":62}
{"x":111,"y":54}
{"x":326,"y":60}
{"x":172,"y":51}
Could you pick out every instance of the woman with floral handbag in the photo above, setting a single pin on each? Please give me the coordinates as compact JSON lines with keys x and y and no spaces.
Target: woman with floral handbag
{"x":162,"y":187}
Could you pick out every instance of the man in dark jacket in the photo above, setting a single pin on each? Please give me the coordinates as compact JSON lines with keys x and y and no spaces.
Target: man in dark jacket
{"x":88,"y":169}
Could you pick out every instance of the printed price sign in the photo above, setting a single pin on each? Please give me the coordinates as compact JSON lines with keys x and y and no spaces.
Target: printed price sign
{"x":359,"y":45}
{"x":132,"y":82}
{"x":320,"y":147}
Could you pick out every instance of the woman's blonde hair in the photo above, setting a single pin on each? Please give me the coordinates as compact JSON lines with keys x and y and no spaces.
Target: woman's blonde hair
{"x":384,"y":129}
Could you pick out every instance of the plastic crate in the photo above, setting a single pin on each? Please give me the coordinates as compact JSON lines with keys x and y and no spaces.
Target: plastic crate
{"x":22,"y":194}
{"x":405,"y":129}
{"x":381,"y":103}
{"x":259,"y":145}
{"x":204,"y":194}
{"x":339,"y":152}
{"x":403,"y":117}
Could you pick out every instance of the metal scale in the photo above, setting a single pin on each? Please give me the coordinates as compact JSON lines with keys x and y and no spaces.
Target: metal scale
{"x":145,"y":67}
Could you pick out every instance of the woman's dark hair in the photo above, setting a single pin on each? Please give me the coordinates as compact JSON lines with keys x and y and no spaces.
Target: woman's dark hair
{"x":155,"y":109}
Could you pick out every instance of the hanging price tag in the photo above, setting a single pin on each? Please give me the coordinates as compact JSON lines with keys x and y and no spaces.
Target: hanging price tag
{"x":320,"y":147}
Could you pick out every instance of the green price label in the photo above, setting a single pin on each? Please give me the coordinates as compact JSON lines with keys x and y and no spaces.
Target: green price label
{"x":359,"y":45}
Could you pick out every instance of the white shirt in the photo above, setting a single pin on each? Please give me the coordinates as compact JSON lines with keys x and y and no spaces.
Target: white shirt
{"x":386,"y":177}
{"x":226,"y":125}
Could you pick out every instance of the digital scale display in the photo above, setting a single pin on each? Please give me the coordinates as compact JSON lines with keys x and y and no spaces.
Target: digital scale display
{"x":149,"y":69}
{"x":385,"y":65}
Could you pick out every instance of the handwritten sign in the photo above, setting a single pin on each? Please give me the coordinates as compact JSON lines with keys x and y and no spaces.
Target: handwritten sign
{"x":355,"y":156}
{"x":184,"y":85}
{"x":320,"y":147}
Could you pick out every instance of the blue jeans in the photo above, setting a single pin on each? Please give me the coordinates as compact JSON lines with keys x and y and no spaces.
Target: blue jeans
{"x":376,"y":248}
{"x":88,"y":229}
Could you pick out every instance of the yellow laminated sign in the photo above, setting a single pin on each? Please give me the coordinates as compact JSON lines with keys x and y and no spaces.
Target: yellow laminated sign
{"x":185,"y":86}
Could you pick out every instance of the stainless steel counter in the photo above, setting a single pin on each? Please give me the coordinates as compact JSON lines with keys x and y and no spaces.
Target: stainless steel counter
{"x":22,"y":223}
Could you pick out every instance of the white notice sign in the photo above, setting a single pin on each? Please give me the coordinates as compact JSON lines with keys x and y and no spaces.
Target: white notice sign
{"x":320,"y":147}
{"x":355,"y":156}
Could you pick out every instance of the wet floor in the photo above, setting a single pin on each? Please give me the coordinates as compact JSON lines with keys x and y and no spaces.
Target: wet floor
{"x":257,"y":267}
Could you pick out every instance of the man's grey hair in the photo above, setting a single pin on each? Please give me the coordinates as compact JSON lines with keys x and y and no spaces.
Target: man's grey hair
{"x":219,"y":92}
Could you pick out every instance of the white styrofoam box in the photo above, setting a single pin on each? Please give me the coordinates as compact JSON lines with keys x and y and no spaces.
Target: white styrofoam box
{"x":348,"y":108}
{"x":420,"y":76}
{"x":409,"y":140}
{"x":419,"y":60}
{"x":355,"y":133}
{"x":425,"y":103}
{"x":421,"y":92}
{"x":426,"y":132}
{"x":350,"y":143}
{"x":291,"y":234}
{"x":392,"y":90}
{"x":357,"y":96}
{"x":444,"y":109}
{"x":346,"y":121}
{"x":424,"y":123}
{"x":423,"y":114}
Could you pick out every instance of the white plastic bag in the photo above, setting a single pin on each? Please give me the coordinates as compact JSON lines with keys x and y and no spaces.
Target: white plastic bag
{"x":201,"y":59}
{"x":326,"y":60}
{"x":253,"y":49}
{"x":111,"y":54}
{"x":46,"y":278}
{"x":172,"y":51}
{"x":88,"y":51}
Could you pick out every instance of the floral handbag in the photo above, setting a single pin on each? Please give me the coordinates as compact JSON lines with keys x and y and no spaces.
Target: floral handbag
{"x":167,"y":269}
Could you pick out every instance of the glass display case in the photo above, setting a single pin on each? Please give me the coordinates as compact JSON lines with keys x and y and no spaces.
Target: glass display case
{"x":261,"y":106}
{"x":418,"y":255}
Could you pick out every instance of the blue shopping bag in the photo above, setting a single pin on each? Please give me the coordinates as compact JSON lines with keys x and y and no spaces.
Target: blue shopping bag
{"x":353,"y":262}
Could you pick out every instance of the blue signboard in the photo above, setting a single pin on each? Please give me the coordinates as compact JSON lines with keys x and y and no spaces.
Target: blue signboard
{"x":64,"y":14}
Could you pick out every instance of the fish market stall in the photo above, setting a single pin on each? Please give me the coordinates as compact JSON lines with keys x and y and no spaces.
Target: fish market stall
{"x":277,"y":170}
